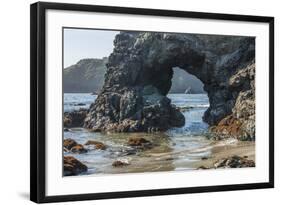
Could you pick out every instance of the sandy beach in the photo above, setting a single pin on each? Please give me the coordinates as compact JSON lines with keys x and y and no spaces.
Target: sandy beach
{"x":228,"y":148}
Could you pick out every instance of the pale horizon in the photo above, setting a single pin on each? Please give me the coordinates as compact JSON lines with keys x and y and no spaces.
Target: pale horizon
{"x":86,"y":43}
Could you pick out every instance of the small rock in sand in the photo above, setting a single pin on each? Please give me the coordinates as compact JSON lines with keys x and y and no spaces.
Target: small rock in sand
{"x":98,"y":145}
{"x":120,"y":163}
{"x":139,"y":142}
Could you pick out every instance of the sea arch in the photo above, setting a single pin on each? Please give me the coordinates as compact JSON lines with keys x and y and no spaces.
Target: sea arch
{"x":139,"y":72}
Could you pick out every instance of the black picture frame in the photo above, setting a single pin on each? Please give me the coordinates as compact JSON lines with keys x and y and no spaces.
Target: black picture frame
{"x":38,"y":101}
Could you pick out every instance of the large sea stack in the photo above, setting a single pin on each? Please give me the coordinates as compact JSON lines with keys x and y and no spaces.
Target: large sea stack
{"x":138,"y":78}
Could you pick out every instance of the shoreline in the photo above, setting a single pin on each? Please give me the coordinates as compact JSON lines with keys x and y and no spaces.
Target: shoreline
{"x":234,"y":147}
{"x":172,"y":150}
{"x":159,"y":160}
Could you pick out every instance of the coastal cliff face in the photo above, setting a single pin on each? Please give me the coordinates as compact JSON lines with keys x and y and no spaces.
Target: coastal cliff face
{"x":139,"y":73}
{"x":85,"y":76}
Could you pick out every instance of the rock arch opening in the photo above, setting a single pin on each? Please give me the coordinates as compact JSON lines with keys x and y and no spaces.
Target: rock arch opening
{"x":183,"y":82}
{"x":139,"y":77}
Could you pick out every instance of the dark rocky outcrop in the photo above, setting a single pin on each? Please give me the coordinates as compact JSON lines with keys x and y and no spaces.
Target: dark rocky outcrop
{"x":72,"y":166}
{"x":139,"y":73}
{"x":241,"y":122}
{"x":74,"y":118}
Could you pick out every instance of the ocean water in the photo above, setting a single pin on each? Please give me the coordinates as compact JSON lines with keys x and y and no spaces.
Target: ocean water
{"x":73,"y":101}
{"x":175,"y":149}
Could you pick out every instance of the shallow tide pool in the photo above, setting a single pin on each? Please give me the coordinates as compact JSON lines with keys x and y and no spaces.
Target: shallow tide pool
{"x":176,"y":149}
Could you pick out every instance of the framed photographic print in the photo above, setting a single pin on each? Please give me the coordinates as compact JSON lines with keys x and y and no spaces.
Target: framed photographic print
{"x":129,"y":102}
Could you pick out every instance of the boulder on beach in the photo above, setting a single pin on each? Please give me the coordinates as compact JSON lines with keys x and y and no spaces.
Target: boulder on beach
{"x":120,"y":163}
{"x":72,"y":146}
{"x":79,"y":149}
{"x":69,"y":143}
{"x":72,"y":166}
{"x":97,"y":144}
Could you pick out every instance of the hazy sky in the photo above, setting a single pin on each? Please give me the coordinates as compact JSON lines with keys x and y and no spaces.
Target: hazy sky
{"x":86,"y":43}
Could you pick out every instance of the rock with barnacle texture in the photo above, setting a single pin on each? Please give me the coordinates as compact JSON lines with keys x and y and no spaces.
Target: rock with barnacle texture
{"x":234,"y":162}
{"x":72,"y":166}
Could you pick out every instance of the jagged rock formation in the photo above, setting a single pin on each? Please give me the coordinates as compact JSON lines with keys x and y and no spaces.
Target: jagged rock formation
{"x":139,"y":73}
{"x":86,"y":76}
{"x":241,"y":122}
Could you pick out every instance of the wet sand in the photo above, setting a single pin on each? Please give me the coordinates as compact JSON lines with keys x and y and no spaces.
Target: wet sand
{"x":164,"y":158}
{"x":228,"y":148}
{"x":151,"y":161}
